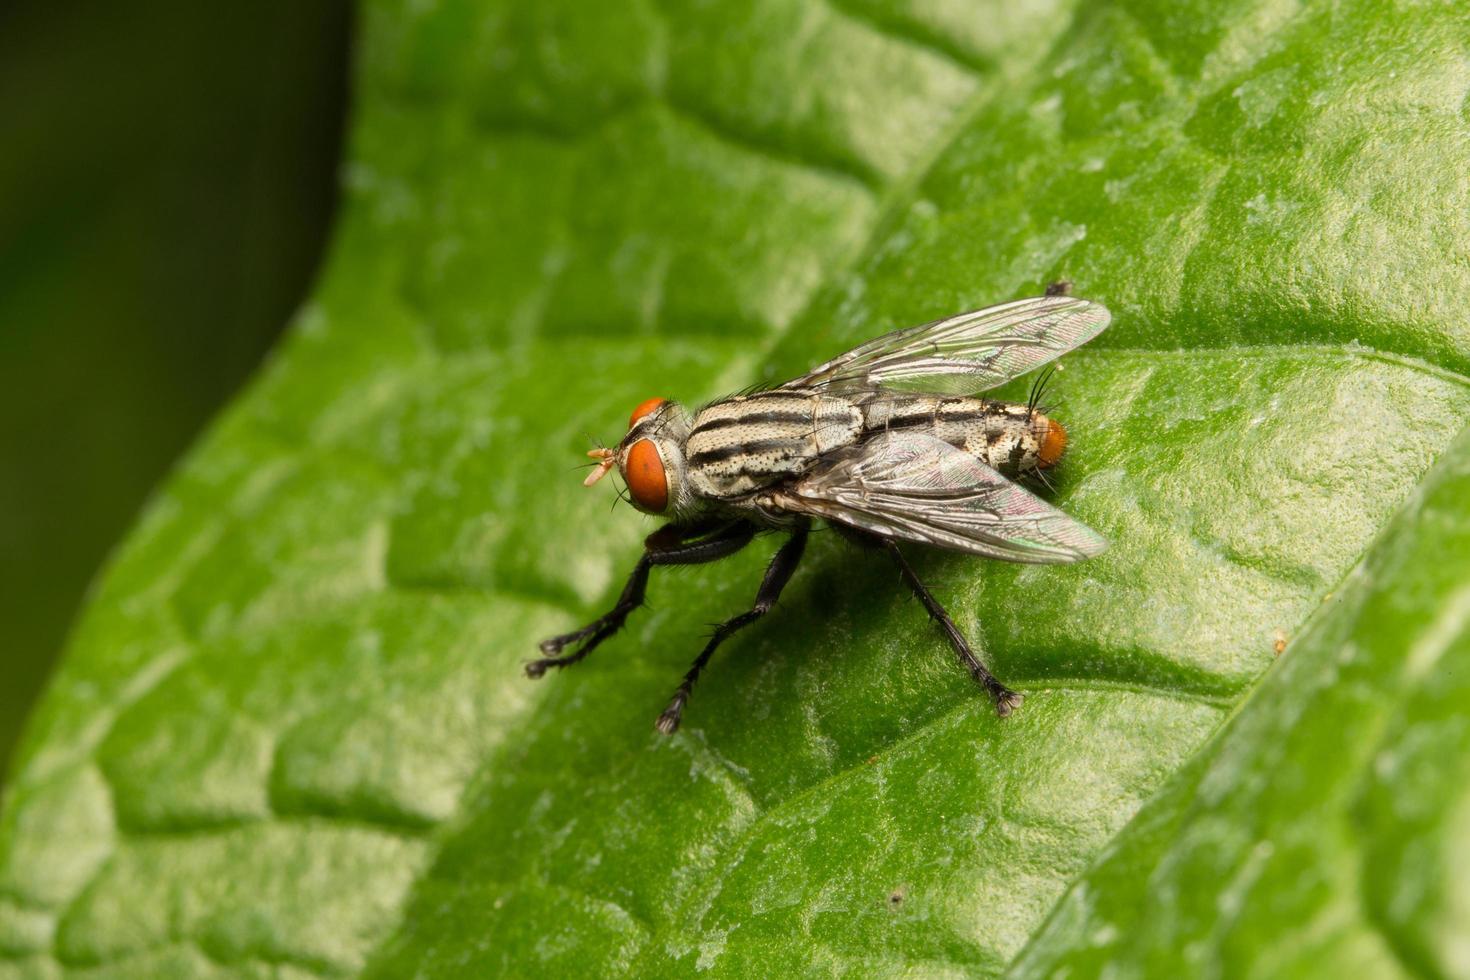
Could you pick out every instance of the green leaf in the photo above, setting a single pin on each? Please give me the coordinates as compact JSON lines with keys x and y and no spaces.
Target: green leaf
{"x":1336,"y":801}
{"x":291,"y":734}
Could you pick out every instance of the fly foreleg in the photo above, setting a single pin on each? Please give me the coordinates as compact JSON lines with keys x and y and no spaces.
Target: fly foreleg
{"x":778,"y":573}
{"x":669,"y":545}
{"x":1005,"y":699}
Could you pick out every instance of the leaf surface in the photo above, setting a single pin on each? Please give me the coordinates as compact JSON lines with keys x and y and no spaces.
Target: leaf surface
{"x":292,"y":735}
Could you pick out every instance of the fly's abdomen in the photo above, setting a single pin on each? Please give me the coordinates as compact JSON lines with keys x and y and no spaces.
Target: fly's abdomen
{"x":744,"y":443}
{"x":1002,"y":435}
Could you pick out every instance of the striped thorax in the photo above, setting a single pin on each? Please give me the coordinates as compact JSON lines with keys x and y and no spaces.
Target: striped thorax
{"x":747,"y":442}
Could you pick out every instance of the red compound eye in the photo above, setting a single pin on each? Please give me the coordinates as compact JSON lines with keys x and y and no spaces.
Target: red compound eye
{"x":643,"y":409}
{"x":643,"y":470}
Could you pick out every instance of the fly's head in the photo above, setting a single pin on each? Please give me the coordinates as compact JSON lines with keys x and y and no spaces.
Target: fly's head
{"x":650,"y":459}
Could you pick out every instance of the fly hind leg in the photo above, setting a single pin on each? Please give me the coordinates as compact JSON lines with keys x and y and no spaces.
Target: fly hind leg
{"x":669,"y":545}
{"x":1005,"y":699}
{"x":778,"y":573}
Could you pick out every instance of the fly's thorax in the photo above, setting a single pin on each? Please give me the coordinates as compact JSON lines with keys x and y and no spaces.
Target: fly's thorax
{"x":739,"y":445}
{"x":651,"y":459}
{"x":1011,"y":438}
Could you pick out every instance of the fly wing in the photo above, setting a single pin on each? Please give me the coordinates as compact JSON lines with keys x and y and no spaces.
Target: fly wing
{"x":911,"y":486}
{"x":964,"y":354}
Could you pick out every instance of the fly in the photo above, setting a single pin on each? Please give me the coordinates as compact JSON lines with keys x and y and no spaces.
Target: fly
{"x":888,"y":443}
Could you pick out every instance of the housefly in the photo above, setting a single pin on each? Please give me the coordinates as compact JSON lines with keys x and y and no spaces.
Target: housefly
{"x":888,"y":443}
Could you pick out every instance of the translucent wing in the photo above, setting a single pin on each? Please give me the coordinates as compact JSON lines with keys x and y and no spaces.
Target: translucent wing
{"x":914,"y":487}
{"x":965,"y":354}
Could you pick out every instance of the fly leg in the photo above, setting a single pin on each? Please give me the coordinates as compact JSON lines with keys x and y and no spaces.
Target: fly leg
{"x":669,"y":545}
{"x":778,"y":573}
{"x":1006,"y":700}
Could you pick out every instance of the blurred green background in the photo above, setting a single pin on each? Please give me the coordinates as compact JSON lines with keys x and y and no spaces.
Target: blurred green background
{"x":166,"y":180}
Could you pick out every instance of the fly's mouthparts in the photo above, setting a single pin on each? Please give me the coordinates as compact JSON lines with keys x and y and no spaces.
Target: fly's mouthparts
{"x":606,"y":458}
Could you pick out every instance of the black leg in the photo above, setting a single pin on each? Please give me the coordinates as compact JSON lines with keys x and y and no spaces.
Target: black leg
{"x":1061,"y":287}
{"x":1006,"y":700}
{"x":778,"y":573}
{"x":670,"y":545}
